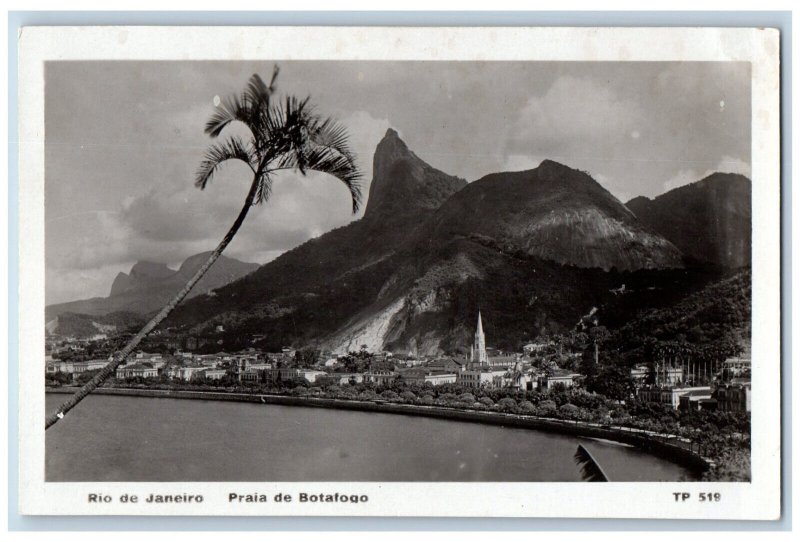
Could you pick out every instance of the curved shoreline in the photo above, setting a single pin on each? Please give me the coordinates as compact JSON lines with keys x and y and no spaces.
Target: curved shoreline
{"x":648,"y":442}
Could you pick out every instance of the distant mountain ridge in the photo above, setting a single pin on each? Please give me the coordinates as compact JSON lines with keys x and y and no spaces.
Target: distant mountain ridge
{"x":533,"y":249}
{"x":709,"y":220}
{"x":150,"y":285}
{"x":142,"y":274}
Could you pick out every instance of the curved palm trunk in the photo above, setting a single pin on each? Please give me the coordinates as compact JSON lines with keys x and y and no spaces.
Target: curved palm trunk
{"x":122,"y":355}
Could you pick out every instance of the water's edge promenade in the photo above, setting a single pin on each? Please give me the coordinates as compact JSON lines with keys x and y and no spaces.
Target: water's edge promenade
{"x":666,"y":447}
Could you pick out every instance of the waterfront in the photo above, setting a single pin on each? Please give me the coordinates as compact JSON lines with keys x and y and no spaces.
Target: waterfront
{"x":111,"y":438}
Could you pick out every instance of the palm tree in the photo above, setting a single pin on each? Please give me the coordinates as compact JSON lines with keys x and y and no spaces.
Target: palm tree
{"x":287,"y":135}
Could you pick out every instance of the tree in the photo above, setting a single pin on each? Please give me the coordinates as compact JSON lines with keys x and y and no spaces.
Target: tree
{"x":467,"y":398}
{"x":507,"y":404}
{"x":283,"y":135}
{"x":613,"y":381}
{"x":306,"y":357}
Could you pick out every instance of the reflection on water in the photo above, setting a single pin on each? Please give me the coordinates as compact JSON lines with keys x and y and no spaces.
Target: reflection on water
{"x":112,"y":438}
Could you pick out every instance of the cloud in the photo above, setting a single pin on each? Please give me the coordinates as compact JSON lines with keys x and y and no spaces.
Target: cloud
{"x":365,"y":132}
{"x":575,"y":111}
{"x":683,"y":177}
{"x":119,"y":184}
{"x":727,"y":164}
{"x":173,"y":219}
{"x":582,"y":122}
{"x":520,"y":162}
{"x":63,"y":284}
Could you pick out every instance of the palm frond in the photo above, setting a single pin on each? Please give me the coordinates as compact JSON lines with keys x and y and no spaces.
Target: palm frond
{"x":230,"y":109}
{"x":275,"y":71}
{"x":332,"y":137}
{"x":312,"y":157}
{"x":256,"y":92}
{"x":286,"y":134}
{"x":591,"y":471}
{"x":287,"y":124}
{"x":250,"y":108}
{"x":257,"y":95}
{"x":332,"y":134}
{"x":263,"y":189}
{"x":231,"y":149}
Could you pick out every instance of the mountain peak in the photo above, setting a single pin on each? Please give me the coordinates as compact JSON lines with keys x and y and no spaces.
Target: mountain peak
{"x":551,"y":170}
{"x":556,"y":213}
{"x":708,"y":220}
{"x":121,"y":283}
{"x":548,"y":165}
{"x":403,"y":183}
{"x":150,"y":285}
{"x":150,"y":270}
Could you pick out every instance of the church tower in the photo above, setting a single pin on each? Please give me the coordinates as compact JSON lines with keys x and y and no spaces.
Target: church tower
{"x":479,"y":346}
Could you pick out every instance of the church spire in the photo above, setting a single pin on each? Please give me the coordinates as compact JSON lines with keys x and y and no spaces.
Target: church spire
{"x":479,"y":346}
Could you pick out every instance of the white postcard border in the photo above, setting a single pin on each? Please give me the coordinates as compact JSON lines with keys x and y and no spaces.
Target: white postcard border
{"x":757,"y":500}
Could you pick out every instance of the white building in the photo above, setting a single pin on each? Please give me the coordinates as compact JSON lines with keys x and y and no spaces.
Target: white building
{"x":140,"y":370}
{"x":669,"y":395}
{"x":215,"y":374}
{"x":559,"y":377}
{"x":380,"y":377}
{"x":486,"y":377}
{"x":426,"y":376}
{"x":186,"y":373}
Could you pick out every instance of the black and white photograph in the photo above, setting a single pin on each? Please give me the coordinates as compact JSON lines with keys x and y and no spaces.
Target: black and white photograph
{"x":298,"y":270}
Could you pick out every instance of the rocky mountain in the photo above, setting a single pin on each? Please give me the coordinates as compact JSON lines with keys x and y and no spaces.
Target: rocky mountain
{"x":313,"y":288}
{"x":142,"y":276}
{"x":534,"y":250}
{"x":508,"y":240}
{"x":150,"y":285}
{"x":404,"y":184}
{"x":556,"y":213}
{"x":709,"y":220}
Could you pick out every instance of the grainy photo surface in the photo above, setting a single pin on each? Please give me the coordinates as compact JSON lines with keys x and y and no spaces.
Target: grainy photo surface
{"x":368,"y":271}
{"x":570,"y":248}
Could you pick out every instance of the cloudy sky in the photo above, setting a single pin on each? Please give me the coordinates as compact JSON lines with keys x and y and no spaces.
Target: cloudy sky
{"x":123,"y":140}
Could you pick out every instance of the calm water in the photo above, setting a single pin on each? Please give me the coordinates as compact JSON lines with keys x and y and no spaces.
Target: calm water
{"x":109,"y":438}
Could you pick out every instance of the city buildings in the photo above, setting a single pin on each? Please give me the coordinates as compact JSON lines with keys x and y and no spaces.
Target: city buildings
{"x":734,"y":396}
{"x":558,"y":377}
{"x":658,"y":375}
{"x":670,"y":395}
{"x":425,"y":375}
{"x":137,"y":370}
{"x":89,"y":365}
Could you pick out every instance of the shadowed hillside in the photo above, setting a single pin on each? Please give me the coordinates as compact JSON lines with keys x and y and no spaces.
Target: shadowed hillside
{"x":534,"y":250}
{"x":709,"y":220}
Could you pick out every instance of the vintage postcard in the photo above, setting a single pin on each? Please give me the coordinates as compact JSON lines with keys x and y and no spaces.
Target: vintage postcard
{"x":330,"y":271}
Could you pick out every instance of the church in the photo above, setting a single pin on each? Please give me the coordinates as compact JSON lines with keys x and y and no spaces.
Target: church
{"x":478,"y":355}
{"x":480,"y":373}
{"x":500,"y":371}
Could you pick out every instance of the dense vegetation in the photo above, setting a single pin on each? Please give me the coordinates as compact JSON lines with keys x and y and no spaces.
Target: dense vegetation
{"x":85,"y":325}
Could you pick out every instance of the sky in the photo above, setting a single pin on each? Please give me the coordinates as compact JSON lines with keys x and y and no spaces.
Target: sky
{"x":123,"y":140}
